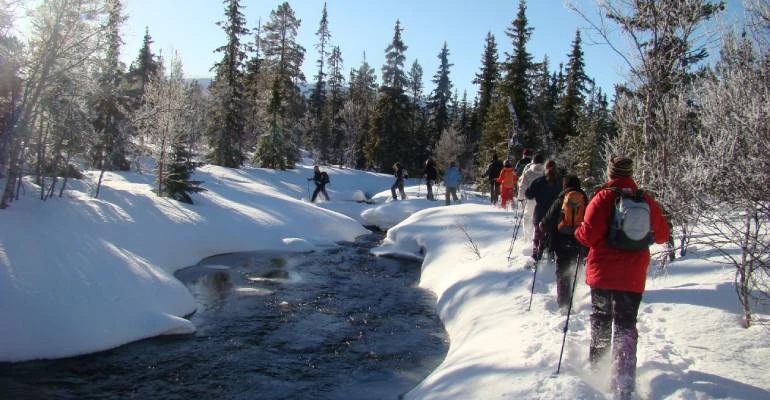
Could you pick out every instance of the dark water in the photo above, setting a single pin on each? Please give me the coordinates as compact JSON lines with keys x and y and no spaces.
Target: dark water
{"x":333,"y":324}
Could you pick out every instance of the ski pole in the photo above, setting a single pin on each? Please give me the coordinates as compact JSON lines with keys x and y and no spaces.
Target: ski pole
{"x":532,"y":290}
{"x":517,"y":225}
{"x":419,"y":184}
{"x":569,"y":309}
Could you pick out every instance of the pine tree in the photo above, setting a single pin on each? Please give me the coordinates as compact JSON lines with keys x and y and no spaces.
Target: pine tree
{"x":278,"y":148}
{"x":334,"y":104}
{"x":141,"y":70}
{"x":419,"y":120}
{"x":439,"y":102}
{"x":227,"y":129}
{"x":488,"y":76}
{"x":516,"y":83}
{"x":393,"y":71}
{"x":545,"y":97}
{"x":389,"y":139}
{"x":572,"y":101}
{"x":357,"y":113}
{"x":111,"y":151}
{"x":318,"y":95}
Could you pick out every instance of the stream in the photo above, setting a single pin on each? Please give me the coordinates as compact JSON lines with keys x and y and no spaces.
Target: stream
{"x":337,"y":323}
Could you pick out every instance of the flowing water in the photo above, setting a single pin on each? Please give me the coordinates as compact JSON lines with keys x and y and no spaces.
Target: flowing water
{"x":337,"y":323}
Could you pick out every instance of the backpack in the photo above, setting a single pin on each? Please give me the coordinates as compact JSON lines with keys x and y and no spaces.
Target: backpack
{"x":573,"y":209}
{"x":629,"y":227}
{"x":324,"y":178}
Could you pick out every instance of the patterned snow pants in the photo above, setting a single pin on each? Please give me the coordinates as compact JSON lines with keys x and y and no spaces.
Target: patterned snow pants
{"x":613,"y":325}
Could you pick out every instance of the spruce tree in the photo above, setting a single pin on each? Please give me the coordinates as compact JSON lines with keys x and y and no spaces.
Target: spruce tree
{"x":227,"y":129}
{"x":141,"y":70}
{"x":572,"y":101}
{"x":112,"y":149}
{"x":517,"y":66}
{"x":439,"y":102}
{"x":488,"y":76}
{"x":357,"y":114}
{"x":389,"y":139}
{"x":393,"y":74}
{"x":334,"y":104}
{"x":318,"y":94}
{"x":418,"y":124}
{"x":278,"y":148}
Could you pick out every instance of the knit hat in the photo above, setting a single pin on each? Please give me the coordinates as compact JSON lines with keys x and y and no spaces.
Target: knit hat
{"x":620,"y":166}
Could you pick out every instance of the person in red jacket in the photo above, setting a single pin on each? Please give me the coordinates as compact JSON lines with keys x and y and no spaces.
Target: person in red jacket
{"x":507,"y":180}
{"x":616,"y":277}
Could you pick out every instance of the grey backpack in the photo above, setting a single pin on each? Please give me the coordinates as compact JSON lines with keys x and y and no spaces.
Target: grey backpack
{"x":629,"y":227}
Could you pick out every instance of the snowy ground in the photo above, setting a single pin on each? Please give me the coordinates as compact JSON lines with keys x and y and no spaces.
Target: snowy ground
{"x":79,"y":275}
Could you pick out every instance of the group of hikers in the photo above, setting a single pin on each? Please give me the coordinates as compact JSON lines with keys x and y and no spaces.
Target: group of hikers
{"x":452,"y":179}
{"x":611,"y":232}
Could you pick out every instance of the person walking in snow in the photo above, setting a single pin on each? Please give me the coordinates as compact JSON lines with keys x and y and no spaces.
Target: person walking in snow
{"x":507,"y":180}
{"x":616,"y":277}
{"x":544,"y":190}
{"x":321,"y":179}
{"x":430,"y":175}
{"x":492,"y":173}
{"x":559,"y":237}
{"x":523,"y":162}
{"x":400,"y":173}
{"x":532,"y":171}
{"x":452,"y":179}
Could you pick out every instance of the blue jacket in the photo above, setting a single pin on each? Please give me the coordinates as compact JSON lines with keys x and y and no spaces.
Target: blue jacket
{"x":452,"y":177}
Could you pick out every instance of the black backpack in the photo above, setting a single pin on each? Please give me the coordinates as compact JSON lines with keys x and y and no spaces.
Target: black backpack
{"x":324,"y":178}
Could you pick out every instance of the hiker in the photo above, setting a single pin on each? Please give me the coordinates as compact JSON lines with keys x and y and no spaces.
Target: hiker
{"x":321,"y":179}
{"x":558,"y":228}
{"x":531,"y":172}
{"x":523,"y":162}
{"x":452,"y":179}
{"x":400,"y":173}
{"x":616,"y":276}
{"x":507,"y":180}
{"x":544,"y":190}
{"x":492,"y":173}
{"x":430,"y":175}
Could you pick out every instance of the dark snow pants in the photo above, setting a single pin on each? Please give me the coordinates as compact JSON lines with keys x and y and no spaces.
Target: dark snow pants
{"x":319,"y":189}
{"x":429,"y":185}
{"x":398,"y":184}
{"x":566,"y":258}
{"x":618,"y":308}
{"x":494,"y":191}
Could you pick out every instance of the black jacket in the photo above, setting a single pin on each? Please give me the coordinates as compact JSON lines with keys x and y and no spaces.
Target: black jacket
{"x":544,"y":194}
{"x":320,"y":178}
{"x":553,"y":238}
{"x":493,"y":170}
{"x":430,"y":172}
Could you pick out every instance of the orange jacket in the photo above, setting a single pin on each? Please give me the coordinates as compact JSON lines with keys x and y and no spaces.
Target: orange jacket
{"x":507,"y":178}
{"x":607,"y":267}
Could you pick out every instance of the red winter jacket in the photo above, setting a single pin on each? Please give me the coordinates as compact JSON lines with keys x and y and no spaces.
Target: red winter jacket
{"x":607,"y":267}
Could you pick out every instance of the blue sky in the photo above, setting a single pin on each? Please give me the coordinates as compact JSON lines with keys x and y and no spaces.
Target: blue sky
{"x":358,"y":26}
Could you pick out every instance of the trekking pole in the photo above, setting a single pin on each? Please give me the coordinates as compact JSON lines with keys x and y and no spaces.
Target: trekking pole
{"x":517,"y":225}
{"x":532,"y":290}
{"x":419,"y":184}
{"x":569,"y":309}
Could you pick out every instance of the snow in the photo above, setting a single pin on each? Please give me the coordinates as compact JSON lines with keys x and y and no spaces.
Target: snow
{"x":80,"y":275}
